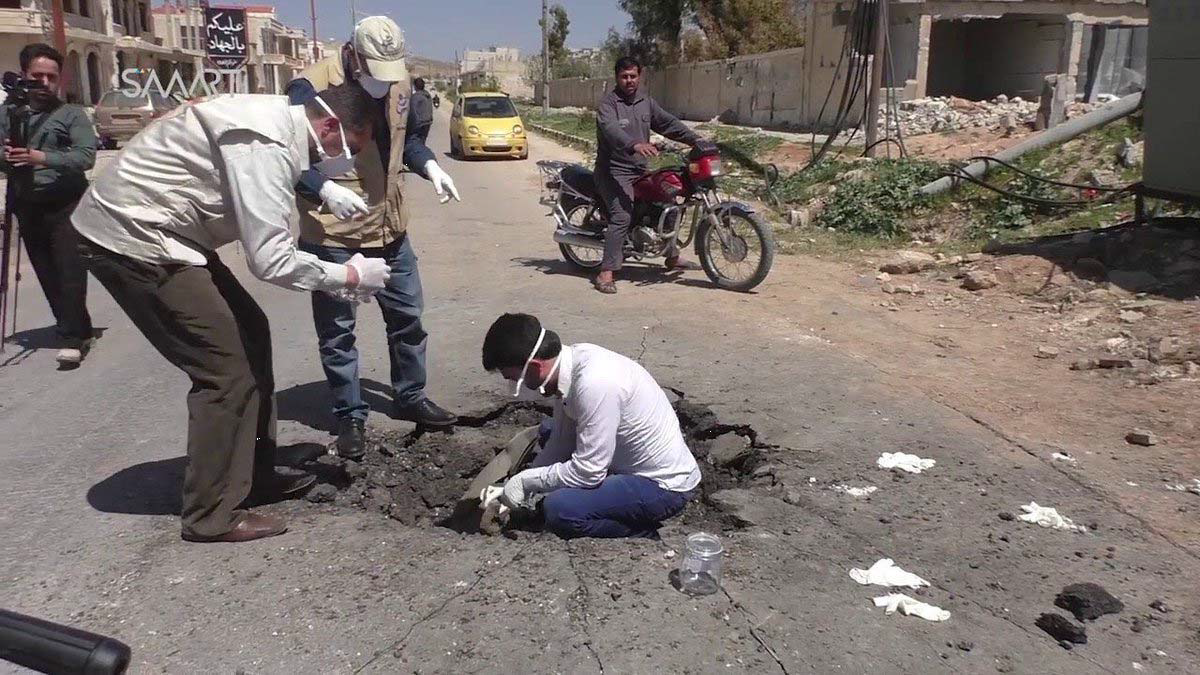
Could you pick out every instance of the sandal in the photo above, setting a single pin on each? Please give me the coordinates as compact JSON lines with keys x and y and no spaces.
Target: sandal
{"x":606,"y":287}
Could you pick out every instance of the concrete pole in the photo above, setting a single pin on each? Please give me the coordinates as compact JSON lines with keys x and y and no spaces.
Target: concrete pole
{"x":60,"y":42}
{"x":545,"y":58}
{"x":312,"y":9}
{"x":877,"y":63}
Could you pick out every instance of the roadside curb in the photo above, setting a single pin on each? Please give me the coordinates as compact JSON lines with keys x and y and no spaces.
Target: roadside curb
{"x":563,"y":137}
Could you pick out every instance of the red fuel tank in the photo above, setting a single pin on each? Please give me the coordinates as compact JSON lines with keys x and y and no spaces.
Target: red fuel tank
{"x":660,"y":186}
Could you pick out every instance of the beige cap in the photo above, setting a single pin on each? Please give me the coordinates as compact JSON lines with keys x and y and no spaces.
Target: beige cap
{"x":380,"y":43}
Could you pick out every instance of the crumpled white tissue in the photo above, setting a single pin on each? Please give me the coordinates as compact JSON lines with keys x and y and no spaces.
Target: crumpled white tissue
{"x":490,"y":494}
{"x":904,"y":462}
{"x":855,"y":491}
{"x":911,"y":607}
{"x":885,"y":573}
{"x":1184,"y":487}
{"x":1048,"y":517}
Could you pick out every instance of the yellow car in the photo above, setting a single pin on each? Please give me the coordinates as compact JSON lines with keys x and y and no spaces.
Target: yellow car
{"x":486,"y":124}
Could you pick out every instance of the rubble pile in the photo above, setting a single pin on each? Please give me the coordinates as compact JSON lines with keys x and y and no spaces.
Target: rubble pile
{"x":951,"y":113}
{"x":418,"y":477}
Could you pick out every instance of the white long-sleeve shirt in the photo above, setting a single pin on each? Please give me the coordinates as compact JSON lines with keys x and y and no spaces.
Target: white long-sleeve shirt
{"x":205,"y":175}
{"x":611,"y":418}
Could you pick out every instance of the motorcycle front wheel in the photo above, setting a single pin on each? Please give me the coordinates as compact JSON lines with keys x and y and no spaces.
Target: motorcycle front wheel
{"x":737,"y":250}
{"x":583,"y":259}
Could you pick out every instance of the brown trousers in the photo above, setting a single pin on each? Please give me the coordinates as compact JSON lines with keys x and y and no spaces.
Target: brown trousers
{"x":207,"y":325}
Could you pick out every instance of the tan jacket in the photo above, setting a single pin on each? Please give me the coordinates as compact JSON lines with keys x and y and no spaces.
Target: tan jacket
{"x":381,"y":189}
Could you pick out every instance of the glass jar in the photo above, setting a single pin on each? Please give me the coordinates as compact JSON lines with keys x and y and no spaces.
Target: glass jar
{"x":700,"y":569}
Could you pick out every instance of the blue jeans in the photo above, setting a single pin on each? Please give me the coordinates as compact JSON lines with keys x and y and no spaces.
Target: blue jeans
{"x":621,"y":506}
{"x":400,"y":301}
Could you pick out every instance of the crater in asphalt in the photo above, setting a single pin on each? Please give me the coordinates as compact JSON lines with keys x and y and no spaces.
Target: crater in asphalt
{"x":418,"y":477}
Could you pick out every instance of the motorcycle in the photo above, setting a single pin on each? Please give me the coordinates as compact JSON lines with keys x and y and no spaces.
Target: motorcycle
{"x":677,"y":205}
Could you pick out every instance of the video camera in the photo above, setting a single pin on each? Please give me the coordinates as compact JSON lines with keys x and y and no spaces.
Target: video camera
{"x":20,"y":89}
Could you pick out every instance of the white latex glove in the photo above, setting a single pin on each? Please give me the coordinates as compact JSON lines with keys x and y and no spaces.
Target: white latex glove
{"x":373,"y":273}
{"x":442,"y":183}
{"x":343,"y":202}
{"x":514,"y":493}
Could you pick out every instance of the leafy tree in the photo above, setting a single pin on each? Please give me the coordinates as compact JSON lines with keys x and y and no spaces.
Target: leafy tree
{"x":560,"y":27}
{"x":667,"y":31}
{"x":737,"y":27}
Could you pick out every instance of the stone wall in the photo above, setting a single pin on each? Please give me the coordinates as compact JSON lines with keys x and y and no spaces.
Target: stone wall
{"x":760,"y":90}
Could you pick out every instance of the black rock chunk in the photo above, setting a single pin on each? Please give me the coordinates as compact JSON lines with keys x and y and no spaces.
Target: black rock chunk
{"x":1060,"y":628}
{"x":1088,"y":601}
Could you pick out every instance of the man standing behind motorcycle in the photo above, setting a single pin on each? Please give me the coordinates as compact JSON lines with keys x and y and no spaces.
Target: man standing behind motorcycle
{"x":625,"y":117}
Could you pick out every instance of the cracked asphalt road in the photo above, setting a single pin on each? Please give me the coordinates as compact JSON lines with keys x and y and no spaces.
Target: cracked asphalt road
{"x":89,"y":458}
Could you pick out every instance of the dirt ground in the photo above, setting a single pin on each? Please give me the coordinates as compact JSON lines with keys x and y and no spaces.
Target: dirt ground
{"x":819,"y":367}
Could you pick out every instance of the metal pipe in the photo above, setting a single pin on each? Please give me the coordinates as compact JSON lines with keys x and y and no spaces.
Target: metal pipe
{"x":578,"y":240}
{"x":1059,"y":134}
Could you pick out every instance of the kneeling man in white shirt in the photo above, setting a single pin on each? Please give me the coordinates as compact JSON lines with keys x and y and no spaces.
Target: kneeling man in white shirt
{"x":615,"y":463}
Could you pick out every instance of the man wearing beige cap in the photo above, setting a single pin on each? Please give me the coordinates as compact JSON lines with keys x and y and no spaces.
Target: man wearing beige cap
{"x":363,"y":211}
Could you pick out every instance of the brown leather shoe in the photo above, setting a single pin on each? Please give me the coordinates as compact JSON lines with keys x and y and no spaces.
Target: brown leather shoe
{"x":251,"y":526}
{"x":281,"y":484}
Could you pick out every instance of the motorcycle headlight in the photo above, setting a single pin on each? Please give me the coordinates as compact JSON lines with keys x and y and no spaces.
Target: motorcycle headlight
{"x":473,"y":130}
{"x":517,"y":129}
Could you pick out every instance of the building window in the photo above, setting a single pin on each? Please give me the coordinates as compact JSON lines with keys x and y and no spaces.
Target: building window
{"x":185,"y":37}
{"x":85,"y":7}
{"x":144,"y":13}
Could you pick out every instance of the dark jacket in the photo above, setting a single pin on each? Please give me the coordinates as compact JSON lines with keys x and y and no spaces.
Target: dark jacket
{"x":68,"y":138}
{"x":420,"y":109}
{"x":622,"y":123}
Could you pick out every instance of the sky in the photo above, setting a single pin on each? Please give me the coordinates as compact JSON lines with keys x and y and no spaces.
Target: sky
{"x":437,"y":28}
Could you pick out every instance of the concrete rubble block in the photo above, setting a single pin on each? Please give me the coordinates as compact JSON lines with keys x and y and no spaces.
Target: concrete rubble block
{"x":1130,"y":317}
{"x":1087,"y":601}
{"x":908,"y":262}
{"x":729,"y":450}
{"x":1110,"y":362}
{"x":977,"y":280}
{"x":1061,"y":628}
{"x":1141,"y":437}
{"x":1173,"y":350}
{"x":1046,"y":353}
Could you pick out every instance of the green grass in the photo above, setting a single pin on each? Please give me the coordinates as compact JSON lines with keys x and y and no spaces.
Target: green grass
{"x":582,"y":125}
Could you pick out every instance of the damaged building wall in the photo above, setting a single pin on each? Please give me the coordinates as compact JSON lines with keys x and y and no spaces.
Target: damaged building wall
{"x":980,"y":58}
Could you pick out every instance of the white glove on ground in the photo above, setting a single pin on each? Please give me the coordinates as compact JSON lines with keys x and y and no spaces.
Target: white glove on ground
{"x":343,"y":202}
{"x":373,"y":273}
{"x":442,"y":183}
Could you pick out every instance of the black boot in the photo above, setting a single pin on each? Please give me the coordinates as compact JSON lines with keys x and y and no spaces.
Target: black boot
{"x":426,"y":413}
{"x":351,"y":443}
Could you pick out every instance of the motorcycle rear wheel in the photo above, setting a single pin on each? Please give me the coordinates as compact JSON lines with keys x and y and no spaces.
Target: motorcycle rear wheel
{"x":741,"y":259}
{"x":583,"y":259}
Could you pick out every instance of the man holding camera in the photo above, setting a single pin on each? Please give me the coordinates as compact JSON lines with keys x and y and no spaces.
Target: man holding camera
{"x":46,"y":158}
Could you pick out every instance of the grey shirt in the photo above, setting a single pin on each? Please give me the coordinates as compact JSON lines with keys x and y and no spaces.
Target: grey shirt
{"x":623,"y":122}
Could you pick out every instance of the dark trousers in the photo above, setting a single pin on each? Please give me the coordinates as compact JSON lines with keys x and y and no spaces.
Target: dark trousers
{"x":616,"y":193}
{"x":52,"y":245}
{"x":401,"y":302}
{"x":621,"y":506}
{"x":203,"y":322}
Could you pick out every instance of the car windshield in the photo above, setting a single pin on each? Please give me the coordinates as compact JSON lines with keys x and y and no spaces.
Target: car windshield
{"x":119,"y":99}
{"x":489,"y":106}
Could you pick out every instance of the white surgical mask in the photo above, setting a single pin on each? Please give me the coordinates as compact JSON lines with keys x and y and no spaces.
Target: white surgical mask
{"x":553,"y":369}
{"x":376,"y":88}
{"x":331,"y":167}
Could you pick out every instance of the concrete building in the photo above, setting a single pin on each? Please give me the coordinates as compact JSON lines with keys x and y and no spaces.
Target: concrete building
{"x":979,"y":49}
{"x":502,"y":63}
{"x":276,"y":52}
{"x":104,"y":37}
